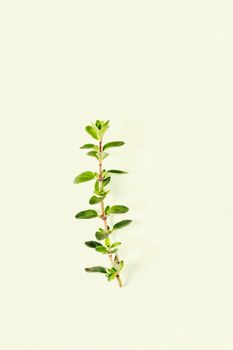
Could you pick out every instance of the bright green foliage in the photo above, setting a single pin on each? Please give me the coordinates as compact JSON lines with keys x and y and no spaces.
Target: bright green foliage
{"x":87,"y":145}
{"x":101,"y":234}
{"x":83,"y":177}
{"x":115,"y":244}
{"x":118,"y":209}
{"x":111,"y":275}
{"x":87,"y":214}
{"x":98,"y":129}
{"x":96,"y":269}
{"x":121,"y":224}
{"x":95,"y":200}
{"x":107,"y":242}
{"x":102,"y":178}
{"x":113,"y":144}
{"x":91,"y":130}
{"x":101,"y":249}
{"x":93,"y":244}
{"x":106,"y":181}
{"x":107,"y":210}
{"x":93,"y":154}
{"x":103,"y":155}
{"x":115,"y":172}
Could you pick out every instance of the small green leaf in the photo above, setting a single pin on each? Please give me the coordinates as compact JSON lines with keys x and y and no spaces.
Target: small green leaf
{"x":113,"y":144}
{"x":98,"y":124}
{"x":96,"y":269}
{"x":107,"y":242}
{"x":93,"y":244}
{"x":102,"y":131}
{"x":95,"y":200}
{"x":121,"y":265}
{"x":115,"y":244}
{"x":106,"y":211}
{"x":85,"y":176}
{"x":87,"y":214}
{"x":111,"y":276}
{"x":93,"y":154}
{"x":96,"y":187}
{"x":112,"y":251}
{"x":94,"y":132}
{"x":118,"y":209}
{"x":121,"y":224}
{"x":103,"y":155}
{"x":116,"y":172}
{"x":101,"y":249}
{"x":106,"y":181}
{"x":87,"y":145}
{"x":100,"y":235}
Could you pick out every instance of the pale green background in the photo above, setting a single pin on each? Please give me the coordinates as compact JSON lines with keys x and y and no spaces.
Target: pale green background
{"x":162,"y":72}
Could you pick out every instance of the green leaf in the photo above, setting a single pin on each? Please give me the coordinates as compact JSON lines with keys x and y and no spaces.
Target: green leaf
{"x":115,"y":244}
{"x":121,"y":265}
{"x":96,"y":187}
{"x":85,"y":176}
{"x":94,"y":132}
{"x":106,"y":211}
{"x":96,"y":269}
{"x":103,"y":155}
{"x":87,"y":145}
{"x":112,"y":251}
{"x":106,"y":181}
{"x":113,"y":144}
{"x":95,"y":200}
{"x":107,"y":242}
{"x":101,"y":249}
{"x":98,"y":124}
{"x":93,"y":244}
{"x":87,"y":214}
{"x":102,"y":131}
{"x":121,"y":224}
{"x":118,"y":209}
{"x":116,"y":172}
{"x":111,"y":276}
{"x":93,"y":154}
{"x":100,"y":235}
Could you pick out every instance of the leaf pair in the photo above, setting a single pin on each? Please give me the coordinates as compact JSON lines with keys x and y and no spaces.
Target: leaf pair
{"x":89,"y":175}
{"x":106,"y":146}
{"x":99,"y":187}
{"x":111,"y":274}
{"x":90,"y":213}
{"x":97,"y":246}
{"x":98,"y":129}
{"x":102,"y":234}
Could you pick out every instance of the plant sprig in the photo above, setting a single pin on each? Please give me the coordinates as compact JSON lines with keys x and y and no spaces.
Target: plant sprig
{"x":102,"y":178}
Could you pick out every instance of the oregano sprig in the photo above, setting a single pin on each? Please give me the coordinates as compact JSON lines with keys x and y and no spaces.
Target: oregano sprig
{"x":104,"y":244}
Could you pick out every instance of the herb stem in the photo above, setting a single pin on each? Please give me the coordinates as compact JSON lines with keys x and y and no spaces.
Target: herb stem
{"x":104,"y":218}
